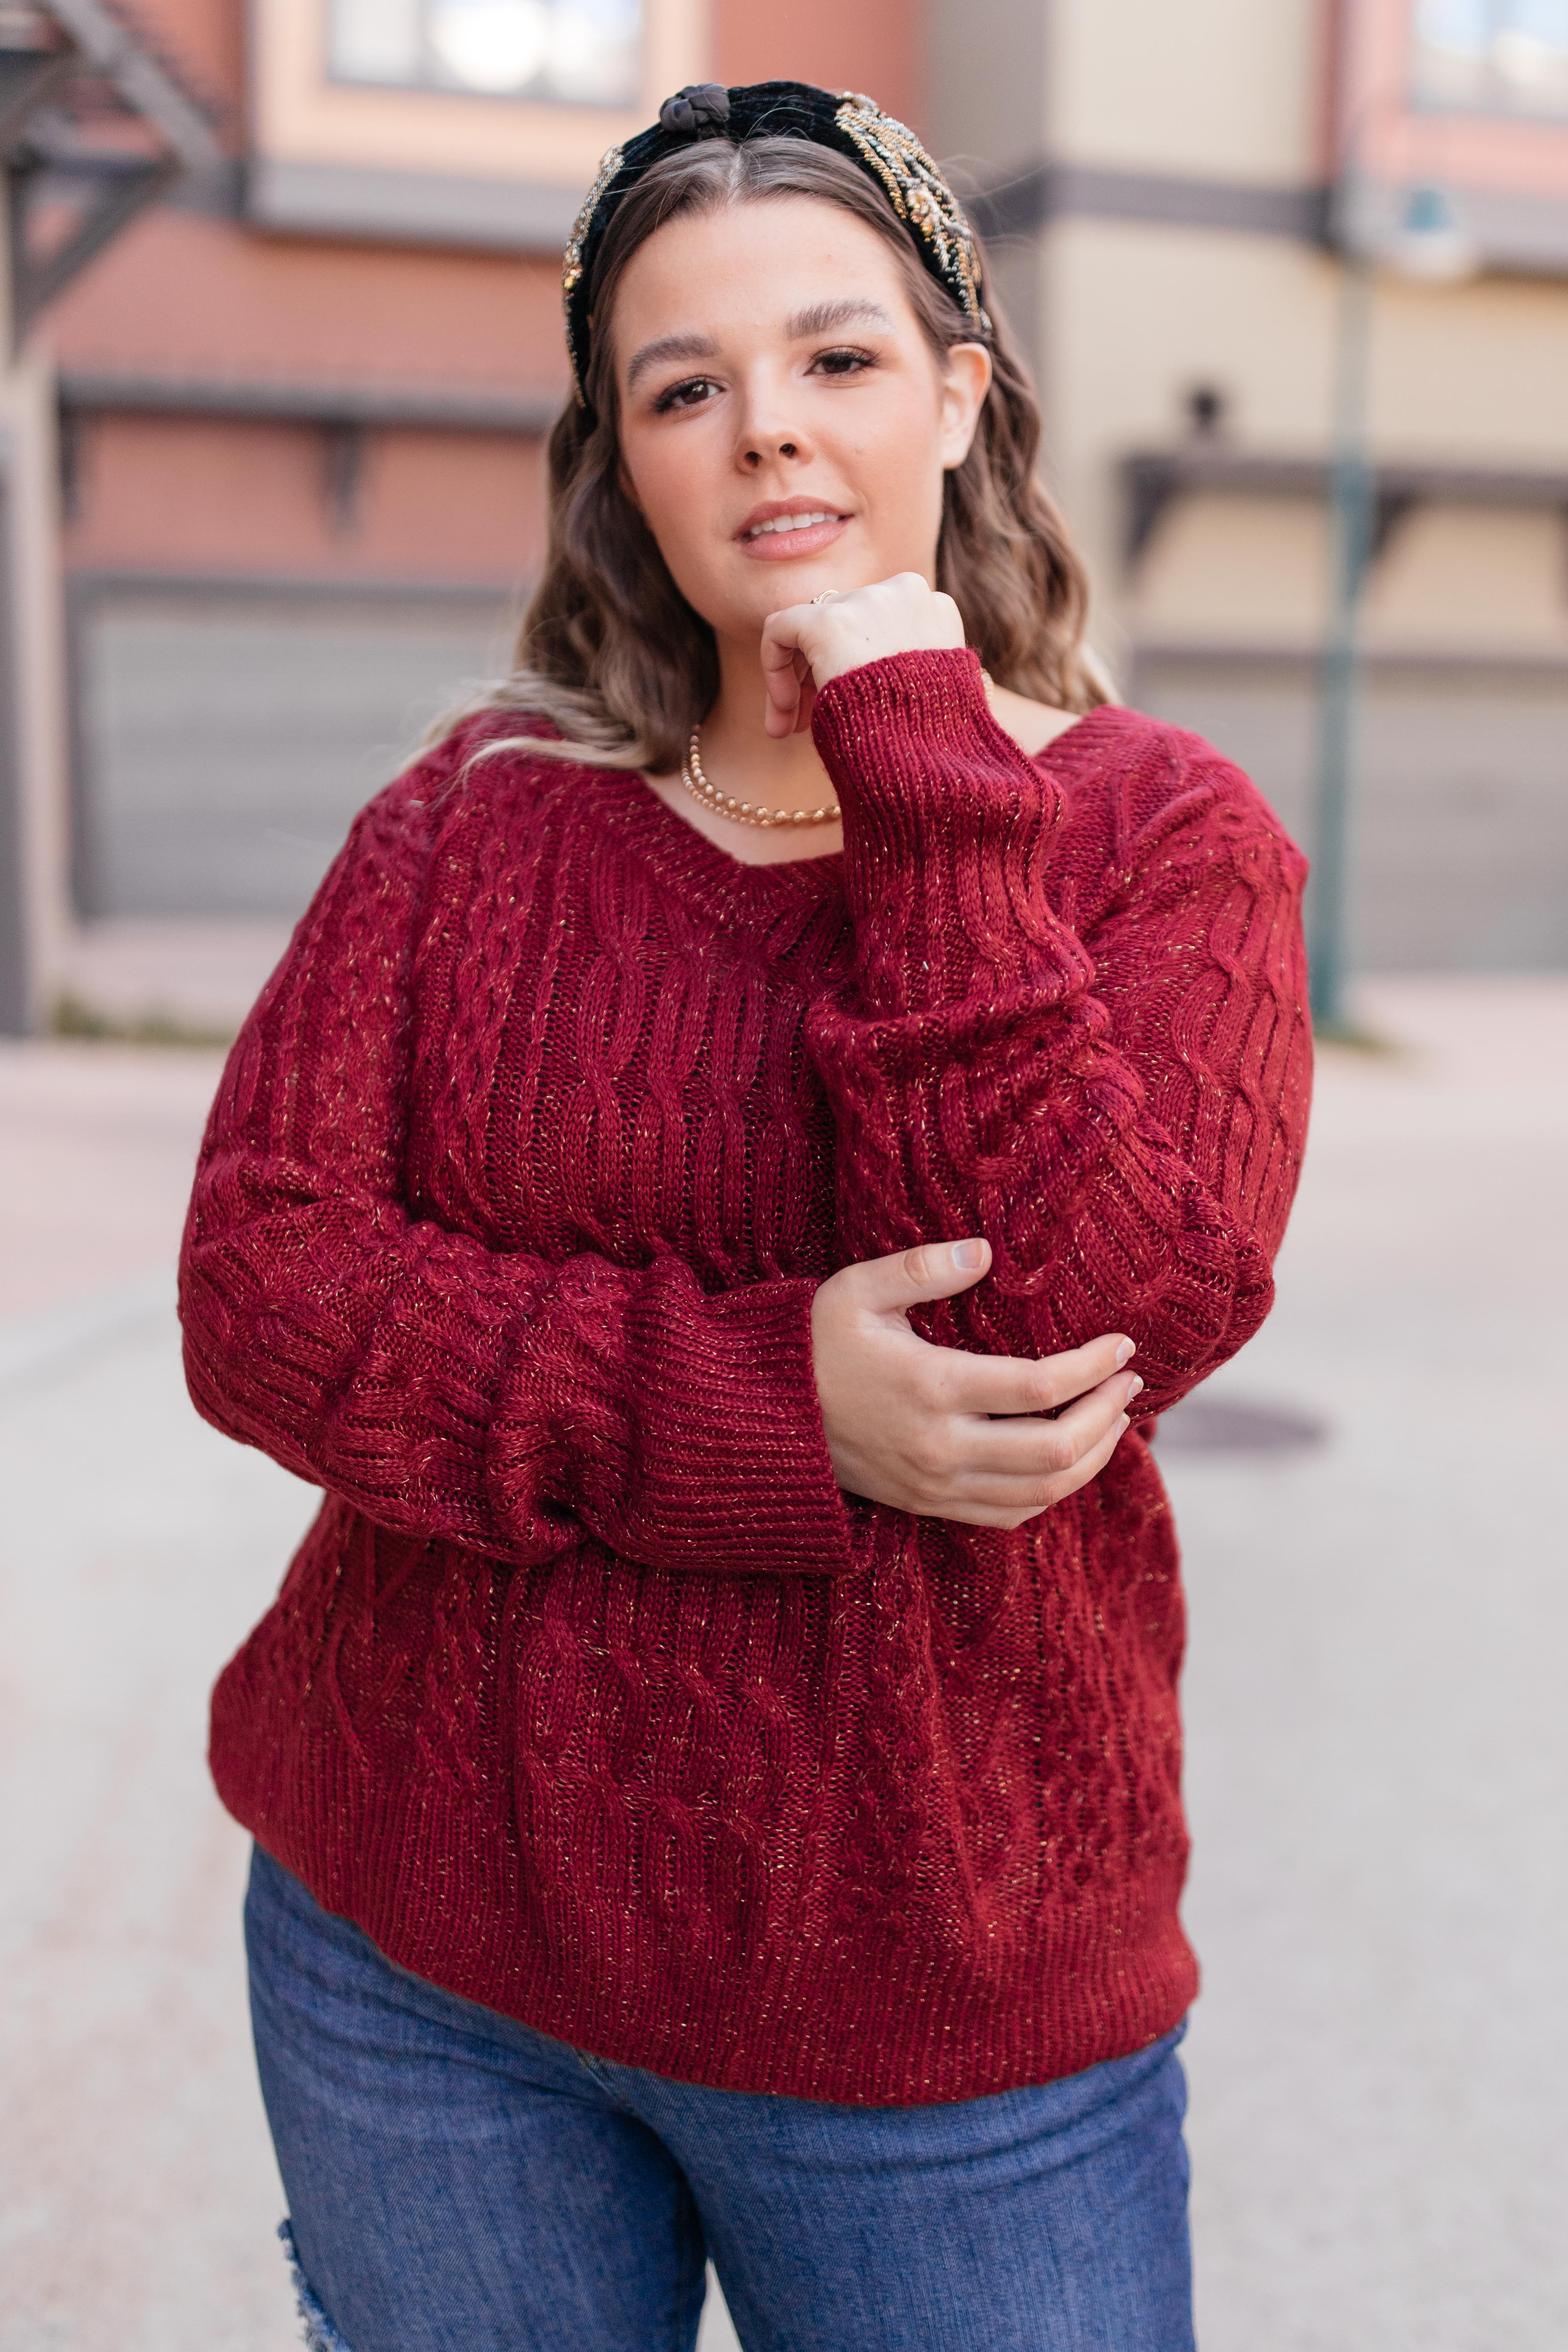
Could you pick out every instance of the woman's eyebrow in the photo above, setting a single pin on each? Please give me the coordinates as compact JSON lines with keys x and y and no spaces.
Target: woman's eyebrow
{"x":668,"y":347}
{"x":823,"y":317}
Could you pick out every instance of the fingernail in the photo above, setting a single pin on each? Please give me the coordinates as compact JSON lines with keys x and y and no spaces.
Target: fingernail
{"x":1122,"y":1425}
{"x":1132,"y":1391}
{"x":1129,"y":1348}
{"x":968,"y":1256}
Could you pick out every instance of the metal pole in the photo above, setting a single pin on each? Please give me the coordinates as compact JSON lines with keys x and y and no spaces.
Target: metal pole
{"x":1350,"y":509}
{"x":16,"y":990}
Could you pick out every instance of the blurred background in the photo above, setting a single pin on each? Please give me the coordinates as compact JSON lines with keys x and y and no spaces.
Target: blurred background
{"x":278,"y":347}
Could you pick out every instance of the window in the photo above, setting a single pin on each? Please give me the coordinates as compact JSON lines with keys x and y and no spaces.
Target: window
{"x":1493,"y":56}
{"x":584,"y":52}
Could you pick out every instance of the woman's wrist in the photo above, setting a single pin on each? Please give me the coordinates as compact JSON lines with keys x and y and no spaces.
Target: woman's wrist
{"x":930,"y":695}
{"x":945,"y":819}
{"x":807,"y":646}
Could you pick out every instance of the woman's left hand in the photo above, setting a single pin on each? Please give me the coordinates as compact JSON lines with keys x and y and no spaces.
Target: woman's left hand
{"x":804,"y":645}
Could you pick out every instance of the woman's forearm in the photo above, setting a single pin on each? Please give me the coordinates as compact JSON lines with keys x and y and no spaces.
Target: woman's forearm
{"x":977,"y":1078}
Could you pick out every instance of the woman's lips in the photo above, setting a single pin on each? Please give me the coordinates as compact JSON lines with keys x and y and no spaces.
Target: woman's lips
{"x":776,"y":545}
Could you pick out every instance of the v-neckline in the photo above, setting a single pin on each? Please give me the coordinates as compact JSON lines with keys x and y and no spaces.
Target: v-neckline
{"x":733,"y":891}
{"x":735,"y":886}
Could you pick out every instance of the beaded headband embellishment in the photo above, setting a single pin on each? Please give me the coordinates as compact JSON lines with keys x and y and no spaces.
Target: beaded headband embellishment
{"x":851,"y":125}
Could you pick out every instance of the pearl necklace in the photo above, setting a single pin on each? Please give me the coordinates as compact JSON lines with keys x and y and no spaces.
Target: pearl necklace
{"x":702,"y":788}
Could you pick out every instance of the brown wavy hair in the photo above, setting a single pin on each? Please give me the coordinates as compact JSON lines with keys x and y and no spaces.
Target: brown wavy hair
{"x":610,"y":652}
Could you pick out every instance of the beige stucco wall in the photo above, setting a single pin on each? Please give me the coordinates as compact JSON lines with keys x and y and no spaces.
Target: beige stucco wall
{"x":1136,"y":315}
{"x":1476,"y":371}
{"x":1228,"y":571}
{"x":1126,"y":318}
{"x":1461,"y":828}
{"x":1219,"y":89}
{"x":1233,"y":573}
{"x":1457,"y":580}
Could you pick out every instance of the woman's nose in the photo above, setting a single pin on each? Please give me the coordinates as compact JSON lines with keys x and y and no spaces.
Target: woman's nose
{"x":767,"y":429}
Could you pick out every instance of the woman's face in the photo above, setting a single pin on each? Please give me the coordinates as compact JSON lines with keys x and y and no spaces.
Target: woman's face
{"x":785,"y":423}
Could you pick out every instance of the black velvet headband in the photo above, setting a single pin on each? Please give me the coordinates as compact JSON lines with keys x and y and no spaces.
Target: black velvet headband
{"x":850,"y":125}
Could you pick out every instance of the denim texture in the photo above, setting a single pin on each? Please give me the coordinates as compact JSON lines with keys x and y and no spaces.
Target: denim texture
{"x":458,"y":2182}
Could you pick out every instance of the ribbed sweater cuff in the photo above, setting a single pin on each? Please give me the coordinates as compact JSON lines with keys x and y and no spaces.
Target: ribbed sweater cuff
{"x":734,"y":1472}
{"x":686,"y":1435}
{"x":882,"y":729}
{"x":944,"y":817}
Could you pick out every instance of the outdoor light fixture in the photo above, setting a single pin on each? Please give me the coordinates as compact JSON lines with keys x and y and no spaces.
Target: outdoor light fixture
{"x":1432,"y":244}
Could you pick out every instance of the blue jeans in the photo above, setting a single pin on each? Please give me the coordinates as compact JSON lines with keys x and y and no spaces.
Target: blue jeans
{"x":458,"y":2182}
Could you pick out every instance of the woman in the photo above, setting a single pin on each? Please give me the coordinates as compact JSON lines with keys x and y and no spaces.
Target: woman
{"x":689,"y":1195}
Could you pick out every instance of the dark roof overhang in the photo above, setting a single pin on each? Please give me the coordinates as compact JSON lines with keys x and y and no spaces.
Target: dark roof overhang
{"x":93,"y":125}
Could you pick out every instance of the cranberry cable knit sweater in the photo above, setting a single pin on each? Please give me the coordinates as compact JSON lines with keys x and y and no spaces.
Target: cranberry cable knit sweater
{"x":588,"y":1695}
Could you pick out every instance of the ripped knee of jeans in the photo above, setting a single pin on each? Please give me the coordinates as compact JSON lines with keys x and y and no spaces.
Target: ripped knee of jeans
{"x":319,"y":2335}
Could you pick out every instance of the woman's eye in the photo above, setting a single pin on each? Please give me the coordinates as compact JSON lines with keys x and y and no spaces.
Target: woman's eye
{"x":689,"y":395}
{"x":843,"y":362}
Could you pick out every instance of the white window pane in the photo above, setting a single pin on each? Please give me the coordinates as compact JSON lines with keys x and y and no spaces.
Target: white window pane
{"x":1460,"y":29}
{"x":587,"y":52}
{"x":1545,"y":21}
{"x":594,"y":51}
{"x":1530,"y":55}
{"x":376,"y":40}
{"x":1524,"y":58}
{"x":490,"y":45}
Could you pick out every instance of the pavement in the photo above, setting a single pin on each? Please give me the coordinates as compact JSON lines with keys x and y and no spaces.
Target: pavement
{"x":177,"y":969}
{"x":1368,"y":1500}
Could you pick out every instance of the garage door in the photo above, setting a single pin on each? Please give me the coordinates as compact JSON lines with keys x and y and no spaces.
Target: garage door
{"x":1460,"y":841}
{"x":225,"y":740}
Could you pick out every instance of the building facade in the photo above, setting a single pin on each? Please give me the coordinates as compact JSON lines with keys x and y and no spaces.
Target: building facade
{"x":1174,"y":189}
{"x":301,"y":401}
{"x":302,"y":405}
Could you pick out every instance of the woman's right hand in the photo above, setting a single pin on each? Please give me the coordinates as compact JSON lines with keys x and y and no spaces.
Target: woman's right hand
{"x":922,"y":1428}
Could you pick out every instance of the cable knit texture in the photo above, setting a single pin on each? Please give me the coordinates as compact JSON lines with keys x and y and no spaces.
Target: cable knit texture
{"x":588,"y":1695}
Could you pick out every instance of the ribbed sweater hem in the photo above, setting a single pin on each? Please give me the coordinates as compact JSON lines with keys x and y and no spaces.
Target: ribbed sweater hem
{"x":857,"y":2021}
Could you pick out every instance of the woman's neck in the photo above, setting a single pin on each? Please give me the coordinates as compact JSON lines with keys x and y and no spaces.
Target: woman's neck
{"x":742,"y":758}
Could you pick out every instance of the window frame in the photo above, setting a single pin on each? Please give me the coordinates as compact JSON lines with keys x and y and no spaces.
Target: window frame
{"x":444,"y":166}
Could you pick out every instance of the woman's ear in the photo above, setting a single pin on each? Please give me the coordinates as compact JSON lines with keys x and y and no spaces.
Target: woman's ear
{"x":965,"y":385}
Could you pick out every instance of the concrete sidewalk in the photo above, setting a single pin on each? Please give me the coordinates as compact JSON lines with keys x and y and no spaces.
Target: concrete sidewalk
{"x":1378,"y":1745}
{"x":1377,"y":1735}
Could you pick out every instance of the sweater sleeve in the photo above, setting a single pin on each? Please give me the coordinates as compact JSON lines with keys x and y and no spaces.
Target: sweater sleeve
{"x":1119,"y":1111}
{"x":443,"y":1387}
